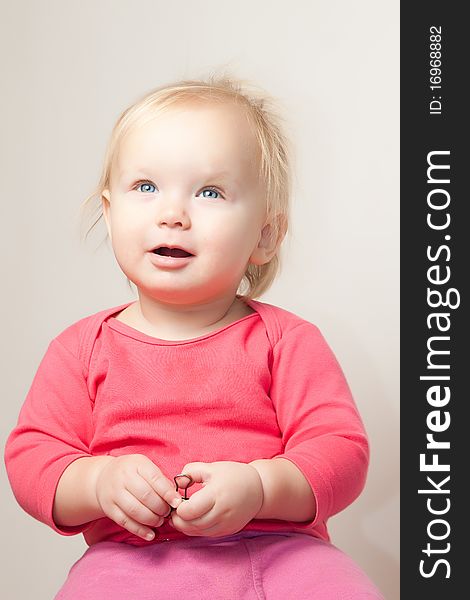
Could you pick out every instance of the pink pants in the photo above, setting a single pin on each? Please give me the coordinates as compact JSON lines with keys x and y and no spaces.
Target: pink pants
{"x":248,"y":565}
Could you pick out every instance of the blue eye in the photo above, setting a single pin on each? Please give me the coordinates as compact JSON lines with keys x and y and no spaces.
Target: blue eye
{"x":147,"y":189}
{"x":147,"y":185}
{"x":210,"y":190}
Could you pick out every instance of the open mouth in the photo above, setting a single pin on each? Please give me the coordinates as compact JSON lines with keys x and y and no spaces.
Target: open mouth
{"x":174,"y":252}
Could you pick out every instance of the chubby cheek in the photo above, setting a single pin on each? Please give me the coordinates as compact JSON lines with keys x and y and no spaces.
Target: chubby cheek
{"x":231,"y":248}
{"x":125,"y":244}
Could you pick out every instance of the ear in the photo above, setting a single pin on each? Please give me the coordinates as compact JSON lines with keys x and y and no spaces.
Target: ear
{"x":269,"y":241}
{"x":106,"y":204}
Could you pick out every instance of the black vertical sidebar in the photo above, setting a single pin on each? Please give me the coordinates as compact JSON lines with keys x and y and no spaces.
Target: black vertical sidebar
{"x":435,"y":336}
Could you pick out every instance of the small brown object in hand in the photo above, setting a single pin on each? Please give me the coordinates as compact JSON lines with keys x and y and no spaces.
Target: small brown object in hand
{"x":183,"y":487}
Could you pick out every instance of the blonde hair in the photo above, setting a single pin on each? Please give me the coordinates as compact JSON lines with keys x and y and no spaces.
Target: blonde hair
{"x":274,"y":148}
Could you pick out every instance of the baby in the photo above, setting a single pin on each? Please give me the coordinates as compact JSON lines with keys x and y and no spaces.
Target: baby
{"x":196,"y":386}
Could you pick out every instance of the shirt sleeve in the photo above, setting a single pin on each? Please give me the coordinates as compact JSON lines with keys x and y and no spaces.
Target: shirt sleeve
{"x":54,"y":428}
{"x":322,"y":432}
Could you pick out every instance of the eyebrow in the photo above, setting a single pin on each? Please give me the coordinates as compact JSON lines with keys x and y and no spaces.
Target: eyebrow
{"x":223,"y":178}
{"x":146,"y":173}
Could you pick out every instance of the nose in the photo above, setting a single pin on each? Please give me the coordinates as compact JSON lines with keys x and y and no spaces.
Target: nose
{"x":173,"y":212}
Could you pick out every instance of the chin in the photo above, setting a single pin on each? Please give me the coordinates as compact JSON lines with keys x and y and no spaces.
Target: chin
{"x":168,"y":295}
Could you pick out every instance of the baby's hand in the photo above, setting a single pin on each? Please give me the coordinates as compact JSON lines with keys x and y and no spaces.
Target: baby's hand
{"x":232,"y":495}
{"x":132,"y":491}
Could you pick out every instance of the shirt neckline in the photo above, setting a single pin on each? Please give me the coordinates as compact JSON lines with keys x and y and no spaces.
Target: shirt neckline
{"x":130,"y":331}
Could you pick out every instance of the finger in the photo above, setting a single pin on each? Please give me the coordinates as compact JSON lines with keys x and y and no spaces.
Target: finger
{"x":161,"y":484}
{"x":144,"y":492}
{"x":199,"y":504}
{"x":205,"y":526}
{"x":128,"y":523}
{"x":133,"y":508}
{"x":203,"y":522}
{"x":183,"y":480}
{"x":198,"y":471}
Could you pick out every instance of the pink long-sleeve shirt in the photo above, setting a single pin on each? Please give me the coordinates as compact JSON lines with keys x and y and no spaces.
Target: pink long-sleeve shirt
{"x":264,"y":386}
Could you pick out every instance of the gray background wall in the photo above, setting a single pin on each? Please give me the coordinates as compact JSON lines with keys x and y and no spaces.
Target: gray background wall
{"x":69,"y":69}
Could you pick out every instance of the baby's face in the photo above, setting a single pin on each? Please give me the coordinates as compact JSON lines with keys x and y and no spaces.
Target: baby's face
{"x":188,"y":178}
